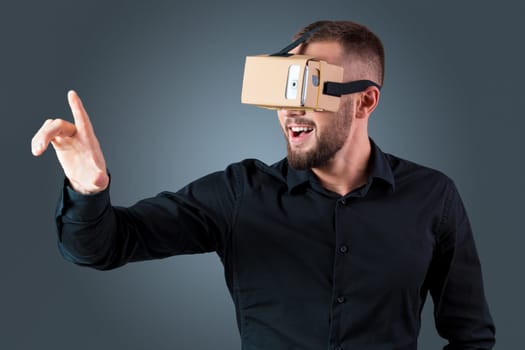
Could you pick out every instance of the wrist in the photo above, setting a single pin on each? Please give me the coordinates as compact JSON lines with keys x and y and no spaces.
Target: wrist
{"x":100,"y":184}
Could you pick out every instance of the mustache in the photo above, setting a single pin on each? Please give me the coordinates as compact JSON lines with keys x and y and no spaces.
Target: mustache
{"x":299,"y":120}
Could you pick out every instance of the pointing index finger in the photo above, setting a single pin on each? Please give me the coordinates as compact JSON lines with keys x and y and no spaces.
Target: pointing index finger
{"x":80,"y":115}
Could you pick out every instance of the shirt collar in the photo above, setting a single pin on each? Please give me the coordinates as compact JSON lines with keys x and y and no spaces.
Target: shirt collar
{"x":379,"y":169}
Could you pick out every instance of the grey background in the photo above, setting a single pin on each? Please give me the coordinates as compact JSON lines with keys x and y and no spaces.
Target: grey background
{"x":161,"y":81}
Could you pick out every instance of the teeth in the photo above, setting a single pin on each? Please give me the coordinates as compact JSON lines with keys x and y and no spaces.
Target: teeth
{"x":300,"y":129}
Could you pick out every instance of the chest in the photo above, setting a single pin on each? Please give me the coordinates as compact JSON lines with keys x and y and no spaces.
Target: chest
{"x":309,"y":241}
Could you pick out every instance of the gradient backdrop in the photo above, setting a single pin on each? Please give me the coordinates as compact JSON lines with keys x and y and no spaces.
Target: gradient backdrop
{"x":162,"y":82}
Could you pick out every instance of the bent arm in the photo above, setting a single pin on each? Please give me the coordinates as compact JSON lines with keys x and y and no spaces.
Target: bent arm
{"x":460,"y":309}
{"x":196,"y":219}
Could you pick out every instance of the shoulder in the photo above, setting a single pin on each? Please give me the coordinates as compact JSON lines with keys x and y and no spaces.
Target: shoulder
{"x":249,"y":169}
{"x":411,"y":174}
{"x":431,"y":189}
{"x":237,"y":174}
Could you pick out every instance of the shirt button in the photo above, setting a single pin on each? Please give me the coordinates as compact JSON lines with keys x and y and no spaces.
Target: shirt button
{"x":340,"y":300}
{"x":343,"y":249}
{"x":343,"y":201}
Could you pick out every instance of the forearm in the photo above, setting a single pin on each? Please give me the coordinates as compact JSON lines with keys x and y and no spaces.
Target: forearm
{"x":195,"y":219}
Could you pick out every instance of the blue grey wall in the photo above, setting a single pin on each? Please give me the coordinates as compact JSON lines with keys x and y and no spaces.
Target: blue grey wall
{"x":161,"y":81}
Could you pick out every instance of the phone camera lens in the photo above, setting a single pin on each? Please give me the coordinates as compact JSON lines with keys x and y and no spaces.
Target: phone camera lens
{"x":315,"y":80}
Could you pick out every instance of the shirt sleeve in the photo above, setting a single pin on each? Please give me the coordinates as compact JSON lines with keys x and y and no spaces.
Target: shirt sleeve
{"x":196,"y":219}
{"x":460,"y":309}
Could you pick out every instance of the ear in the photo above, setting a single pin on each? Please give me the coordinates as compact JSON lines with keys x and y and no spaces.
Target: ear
{"x":367,"y":101}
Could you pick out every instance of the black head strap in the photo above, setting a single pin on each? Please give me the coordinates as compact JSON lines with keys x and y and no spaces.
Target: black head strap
{"x":330,"y":88}
{"x":338,"y":89}
{"x":285,"y":52}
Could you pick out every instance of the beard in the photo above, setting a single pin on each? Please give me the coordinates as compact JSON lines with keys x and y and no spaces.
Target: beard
{"x":329,"y":142}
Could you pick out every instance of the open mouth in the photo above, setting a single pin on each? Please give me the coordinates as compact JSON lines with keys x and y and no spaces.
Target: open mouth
{"x":299,"y":133}
{"x":298,"y":130}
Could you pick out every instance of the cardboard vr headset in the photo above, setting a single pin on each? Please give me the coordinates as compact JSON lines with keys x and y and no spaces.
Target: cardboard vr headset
{"x":285,"y":81}
{"x":293,"y":82}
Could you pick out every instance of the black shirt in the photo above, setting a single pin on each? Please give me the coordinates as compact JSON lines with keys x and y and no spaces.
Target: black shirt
{"x":306,"y":267}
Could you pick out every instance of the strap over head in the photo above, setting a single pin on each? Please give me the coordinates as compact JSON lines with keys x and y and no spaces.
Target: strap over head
{"x":329,"y":88}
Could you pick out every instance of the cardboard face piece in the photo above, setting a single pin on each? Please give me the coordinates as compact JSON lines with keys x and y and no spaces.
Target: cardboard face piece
{"x":292,"y":82}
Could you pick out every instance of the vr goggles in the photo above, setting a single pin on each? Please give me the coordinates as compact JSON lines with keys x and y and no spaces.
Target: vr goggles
{"x":286,"y":81}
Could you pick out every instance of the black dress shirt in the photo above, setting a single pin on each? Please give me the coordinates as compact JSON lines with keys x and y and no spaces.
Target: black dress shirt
{"x":306,"y":267}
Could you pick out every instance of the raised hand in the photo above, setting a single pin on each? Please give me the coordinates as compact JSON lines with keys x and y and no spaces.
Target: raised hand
{"x":77,"y":148}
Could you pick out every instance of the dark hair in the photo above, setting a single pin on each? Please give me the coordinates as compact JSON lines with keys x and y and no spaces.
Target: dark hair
{"x":354,"y":38}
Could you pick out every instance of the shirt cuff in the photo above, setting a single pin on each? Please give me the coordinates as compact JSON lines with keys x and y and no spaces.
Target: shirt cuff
{"x":84,"y":207}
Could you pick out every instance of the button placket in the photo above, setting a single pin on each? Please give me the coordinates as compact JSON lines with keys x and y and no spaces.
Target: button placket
{"x":342,"y":210}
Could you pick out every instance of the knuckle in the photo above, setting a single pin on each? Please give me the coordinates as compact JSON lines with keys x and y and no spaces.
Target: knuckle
{"x":57,"y":125}
{"x":48,"y":127}
{"x":49,"y":124}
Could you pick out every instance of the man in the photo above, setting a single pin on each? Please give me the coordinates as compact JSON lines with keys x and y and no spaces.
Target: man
{"x":334,"y":247}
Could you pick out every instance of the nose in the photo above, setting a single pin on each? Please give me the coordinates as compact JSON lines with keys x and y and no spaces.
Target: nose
{"x":293,"y":112}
